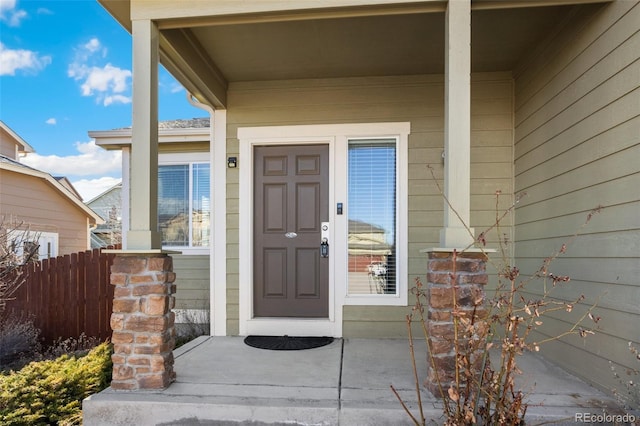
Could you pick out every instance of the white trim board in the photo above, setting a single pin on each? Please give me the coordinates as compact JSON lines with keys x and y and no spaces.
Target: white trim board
{"x":218,"y":259}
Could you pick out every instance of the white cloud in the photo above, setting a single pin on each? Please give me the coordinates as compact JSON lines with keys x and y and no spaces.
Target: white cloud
{"x":91,"y":161}
{"x":116,"y":99}
{"x":107,"y":79}
{"x":176,"y":87}
{"x":9,"y":13}
{"x":12,"y":60}
{"x":91,"y":188}
{"x":7,"y":5}
{"x":108,"y":83}
{"x":93,"y":45}
{"x":52,"y":121}
{"x":43,"y":11}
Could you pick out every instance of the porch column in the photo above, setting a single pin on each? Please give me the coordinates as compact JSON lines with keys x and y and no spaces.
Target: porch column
{"x":455,"y":277}
{"x":457,"y":126}
{"x":142,"y":320}
{"x":143,"y":197}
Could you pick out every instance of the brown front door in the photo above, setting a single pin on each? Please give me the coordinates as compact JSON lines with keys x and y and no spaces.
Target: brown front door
{"x":291,"y":200}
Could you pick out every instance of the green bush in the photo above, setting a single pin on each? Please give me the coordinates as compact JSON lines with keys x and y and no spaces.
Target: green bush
{"x":51,"y":392}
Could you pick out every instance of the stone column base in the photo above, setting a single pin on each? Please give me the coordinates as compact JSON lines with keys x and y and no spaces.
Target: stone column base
{"x":454,"y":281}
{"x":143,"y":322}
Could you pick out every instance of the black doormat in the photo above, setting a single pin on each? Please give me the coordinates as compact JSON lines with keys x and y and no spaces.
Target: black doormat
{"x":286,"y":343}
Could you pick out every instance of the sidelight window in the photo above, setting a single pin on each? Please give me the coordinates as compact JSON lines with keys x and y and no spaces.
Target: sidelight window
{"x":372,"y":218}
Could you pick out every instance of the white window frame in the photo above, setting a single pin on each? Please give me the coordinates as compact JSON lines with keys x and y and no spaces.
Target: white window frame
{"x":401,"y":240}
{"x":189,"y":159}
{"x":43,"y":239}
{"x":399,"y":133}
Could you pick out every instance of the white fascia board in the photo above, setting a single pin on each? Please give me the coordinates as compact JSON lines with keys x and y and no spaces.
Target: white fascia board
{"x":116,"y":139}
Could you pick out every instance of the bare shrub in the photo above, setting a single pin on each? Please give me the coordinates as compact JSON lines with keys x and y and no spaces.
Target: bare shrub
{"x":19,"y":342}
{"x":489,"y":338}
{"x":71,"y":346}
{"x":192,"y":324}
{"x":18,"y":246}
{"x":628,"y":392}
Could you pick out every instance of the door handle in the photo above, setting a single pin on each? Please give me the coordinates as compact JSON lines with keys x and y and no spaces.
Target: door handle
{"x":324,"y":248}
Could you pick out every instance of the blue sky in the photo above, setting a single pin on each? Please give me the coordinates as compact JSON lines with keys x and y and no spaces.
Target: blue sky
{"x":65,"y":69}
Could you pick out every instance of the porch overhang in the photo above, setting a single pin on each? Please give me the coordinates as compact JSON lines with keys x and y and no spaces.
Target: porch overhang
{"x":210,"y":46}
{"x":207,"y":46}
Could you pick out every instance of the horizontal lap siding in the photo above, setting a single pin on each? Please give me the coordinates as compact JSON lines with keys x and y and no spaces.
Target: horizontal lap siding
{"x":7,"y":145}
{"x":417,"y":99}
{"x":192,"y":281}
{"x":35,"y":202}
{"x":578,"y":146}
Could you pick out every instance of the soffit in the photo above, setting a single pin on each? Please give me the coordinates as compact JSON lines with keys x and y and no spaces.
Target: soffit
{"x":206,"y":52}
{"x":370,"y":45}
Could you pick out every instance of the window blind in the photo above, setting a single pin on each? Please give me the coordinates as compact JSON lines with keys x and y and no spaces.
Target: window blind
{"x":372,"y":216}
{"x":173,"y":204}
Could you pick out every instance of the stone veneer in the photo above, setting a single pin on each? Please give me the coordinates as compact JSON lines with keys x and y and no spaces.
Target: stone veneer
{"x":454,"y":280}
{"x":142,"y":321}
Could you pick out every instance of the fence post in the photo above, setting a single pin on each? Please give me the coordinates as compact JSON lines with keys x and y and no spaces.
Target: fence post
{"x":75,"y":306}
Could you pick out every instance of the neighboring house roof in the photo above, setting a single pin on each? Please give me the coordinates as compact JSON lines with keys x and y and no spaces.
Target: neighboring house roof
{"x":358,"y":226}
{"x":11,"y":165}
{"x":105,"y":193}
{"x":193,"y":123}
{"x":23,"y":145}
{"x":367,"y":238}
{"x":67,"y":184}
{"x":183,"y":130}
{"x":108,"y":205}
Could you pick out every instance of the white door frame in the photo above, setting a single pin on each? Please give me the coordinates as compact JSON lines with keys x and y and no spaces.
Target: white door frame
{"x":331,"y":326}
{"x":336,"y":136}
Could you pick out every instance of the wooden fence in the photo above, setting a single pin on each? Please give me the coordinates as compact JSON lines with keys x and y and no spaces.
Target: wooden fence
{"x":68,"y":295}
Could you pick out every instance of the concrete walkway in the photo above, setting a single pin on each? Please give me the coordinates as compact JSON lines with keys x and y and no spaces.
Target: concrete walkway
{"x":222,"y":381}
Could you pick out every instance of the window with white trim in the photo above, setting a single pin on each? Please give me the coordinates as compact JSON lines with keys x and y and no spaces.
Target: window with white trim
{"x":33,"y":245}
{"x":184,"y":204}
{"x":372,"y":216}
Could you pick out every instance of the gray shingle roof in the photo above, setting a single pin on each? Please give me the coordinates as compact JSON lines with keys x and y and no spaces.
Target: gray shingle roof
{"x":191,"y":123}
{"x":7,"y":160}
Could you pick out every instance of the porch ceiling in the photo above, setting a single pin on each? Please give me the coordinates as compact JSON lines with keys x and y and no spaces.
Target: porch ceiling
{"x":370,"y":45}
{"x":207,"y":53}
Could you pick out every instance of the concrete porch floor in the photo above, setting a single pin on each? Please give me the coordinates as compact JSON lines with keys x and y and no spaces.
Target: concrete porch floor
{"x":222,"y":381}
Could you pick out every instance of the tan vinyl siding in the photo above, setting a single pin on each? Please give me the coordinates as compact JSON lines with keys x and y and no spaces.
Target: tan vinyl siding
{"x":182,"y":147}
{"x":8,"y":147}
{"x":416,"y":99}
{"x":192,"y":281}
{"x":33,"y":201}
{"x":374,"y":322}
{"x":578,"y":146}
